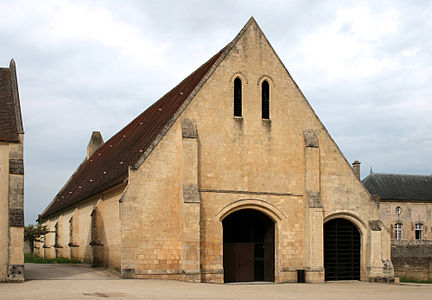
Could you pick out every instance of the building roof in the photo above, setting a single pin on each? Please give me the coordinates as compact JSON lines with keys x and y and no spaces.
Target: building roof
{"x":108,"y":166}
{"x":10,"y":112}
{"x":399,"y":187}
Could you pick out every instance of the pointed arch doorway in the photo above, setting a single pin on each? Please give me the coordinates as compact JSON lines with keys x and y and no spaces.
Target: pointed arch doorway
{"x":248,"y":246}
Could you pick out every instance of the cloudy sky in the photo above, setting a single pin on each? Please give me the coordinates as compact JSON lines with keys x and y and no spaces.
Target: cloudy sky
{"x":365,"y":67}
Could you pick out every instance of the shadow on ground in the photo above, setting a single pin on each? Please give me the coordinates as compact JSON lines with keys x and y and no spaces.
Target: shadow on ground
{"x":67,"y":272}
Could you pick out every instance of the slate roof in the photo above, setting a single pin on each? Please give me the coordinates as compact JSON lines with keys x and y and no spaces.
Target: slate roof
{"x":108,"y":166}
{"x":10,"y":114}
{"x":400,"y":187}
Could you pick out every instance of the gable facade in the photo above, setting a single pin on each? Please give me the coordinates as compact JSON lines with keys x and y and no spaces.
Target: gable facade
{"x":222,"y":187}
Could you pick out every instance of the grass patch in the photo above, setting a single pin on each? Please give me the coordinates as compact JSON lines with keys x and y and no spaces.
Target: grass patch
{"x":41,"y":260}
{"x":413,"y":280}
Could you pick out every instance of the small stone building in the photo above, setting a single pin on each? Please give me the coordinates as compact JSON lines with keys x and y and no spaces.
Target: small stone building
{"x":406,"y":209}
{"x":11,"y":178}
{"x":228,"y":177}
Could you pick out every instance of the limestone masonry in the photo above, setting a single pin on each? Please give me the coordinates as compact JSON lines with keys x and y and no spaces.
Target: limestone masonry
{"x":11,"y":178}
{"x":229,"y":177}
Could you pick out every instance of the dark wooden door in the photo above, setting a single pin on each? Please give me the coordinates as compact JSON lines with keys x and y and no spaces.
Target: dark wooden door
{"x":269,"y":254}
{"x":239,"y":262}
{"x":248,"y":240}
{"x":341,"y":250}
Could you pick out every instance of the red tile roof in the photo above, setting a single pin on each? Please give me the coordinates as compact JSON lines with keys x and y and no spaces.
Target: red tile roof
{"x":8,"y":123}
{"x":108,"y":166}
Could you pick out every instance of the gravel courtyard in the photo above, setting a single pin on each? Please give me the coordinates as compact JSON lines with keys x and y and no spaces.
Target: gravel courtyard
{"x":58,"y":281}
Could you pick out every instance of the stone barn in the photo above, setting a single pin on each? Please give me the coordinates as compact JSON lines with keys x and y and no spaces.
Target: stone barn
{"x":11,"y":178}
{"x":229,"y":177}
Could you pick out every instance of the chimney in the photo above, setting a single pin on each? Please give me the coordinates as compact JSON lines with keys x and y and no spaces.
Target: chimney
{"x":96,"y":141}
{"x":356,"y":168}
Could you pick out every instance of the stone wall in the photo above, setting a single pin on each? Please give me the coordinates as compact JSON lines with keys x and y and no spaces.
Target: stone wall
{"x":412,"y":259}
{"x":411,"y":213}
{"x":4,"y":216}
{"x":89,"y":231}
{"x":12,"y":211}
{"x":287,"y":167}
{"x":210,"y":164}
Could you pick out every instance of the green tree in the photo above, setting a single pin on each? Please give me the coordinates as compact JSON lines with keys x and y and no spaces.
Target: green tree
{"x":34,"y":234}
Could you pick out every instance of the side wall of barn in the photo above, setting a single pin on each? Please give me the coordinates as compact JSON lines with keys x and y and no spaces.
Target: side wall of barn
{"x":89,"y":231}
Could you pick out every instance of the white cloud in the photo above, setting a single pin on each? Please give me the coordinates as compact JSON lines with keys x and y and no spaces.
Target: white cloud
{"x":411,"y":52}
{"x":345,"y":47}
{"x":56,"y":22}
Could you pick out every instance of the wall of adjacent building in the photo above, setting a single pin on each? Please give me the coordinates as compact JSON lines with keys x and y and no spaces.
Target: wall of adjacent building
{"x":411,"y":213}
{"x":11,"y":210}
{"x":4,"y":208}
{"x":411,"y":258}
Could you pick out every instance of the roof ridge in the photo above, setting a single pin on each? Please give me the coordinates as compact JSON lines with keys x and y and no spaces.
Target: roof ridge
{"x":109,"y":164}
{"x":10,"y":112}
{"x":400,"y":174}
{"x":152,"y":124}
{"x":15,"y":96}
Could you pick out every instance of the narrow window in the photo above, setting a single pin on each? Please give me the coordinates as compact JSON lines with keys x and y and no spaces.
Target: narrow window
{"x":419,"y":231}
{"x":93,"y":228}
{"x":71,"y":233}
{"x":398,"y":231}
{"x":237,"y":97}
{"x":56,"y":235}
{"x":265,"y":95}
{"x":398,"y":210}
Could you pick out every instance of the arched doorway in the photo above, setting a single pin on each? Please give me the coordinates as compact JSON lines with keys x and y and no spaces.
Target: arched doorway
{"x":248,"y":246}
{"x":341,"y":250}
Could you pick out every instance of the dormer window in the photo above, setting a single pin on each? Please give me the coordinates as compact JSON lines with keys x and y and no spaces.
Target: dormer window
{"x":237,"y":97}
{"x":265,"y":97}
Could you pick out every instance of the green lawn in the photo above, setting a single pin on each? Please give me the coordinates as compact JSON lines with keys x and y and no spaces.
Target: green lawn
{"x":412,"y":280}
{"x":41,"y":260}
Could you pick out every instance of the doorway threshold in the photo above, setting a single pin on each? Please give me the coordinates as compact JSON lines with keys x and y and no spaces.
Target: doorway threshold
{"x":251,"y":283}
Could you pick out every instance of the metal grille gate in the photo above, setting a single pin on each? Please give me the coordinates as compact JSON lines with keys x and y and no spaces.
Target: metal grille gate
{"x":341,"y":250}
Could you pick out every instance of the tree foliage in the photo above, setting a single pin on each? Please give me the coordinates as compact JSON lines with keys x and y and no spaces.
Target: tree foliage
{"x":34,"y":234}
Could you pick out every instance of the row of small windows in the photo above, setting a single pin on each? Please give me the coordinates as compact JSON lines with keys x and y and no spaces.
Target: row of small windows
{"x":265,"y":99}
{"x":418,"y":231}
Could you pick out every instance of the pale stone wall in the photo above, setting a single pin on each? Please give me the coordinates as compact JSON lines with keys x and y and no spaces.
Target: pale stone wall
{"x":247,"y":162}
{"x":16,"y":211}
{"x":4,"y":208}
{"x":411,"y":214}
{"x":63,"y":249}
{"x":11,"y":210}
{"x":151,"y":212}
{"x":209,"y":164}
{"x":411,"y":258}
{"x":49,"y":239}
{"x":74,"y":235}
{"x":112,"y":228}
{"x":99,"y":246}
